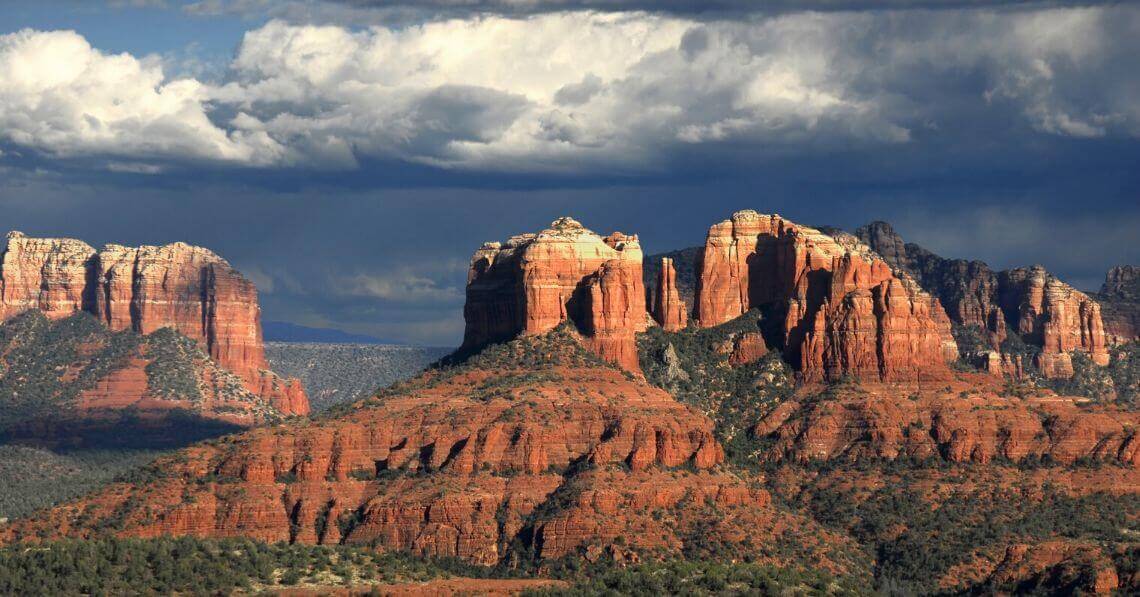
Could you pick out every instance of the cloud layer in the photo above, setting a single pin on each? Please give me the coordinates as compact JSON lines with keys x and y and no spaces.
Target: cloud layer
{"x":581,"y":92}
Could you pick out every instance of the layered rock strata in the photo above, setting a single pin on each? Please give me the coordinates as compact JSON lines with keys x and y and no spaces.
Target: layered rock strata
{"x":189,"y":289}
{"x":555,"y":456}
{"x":533,"y":282}
{"x":842,"y":311}
{"x":1120,"y":304}
{"x":1041,"y":309}
{"x":979,"y":428}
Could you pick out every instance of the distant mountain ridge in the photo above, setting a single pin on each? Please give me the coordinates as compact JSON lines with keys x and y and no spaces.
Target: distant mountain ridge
{"x":284,"y":331}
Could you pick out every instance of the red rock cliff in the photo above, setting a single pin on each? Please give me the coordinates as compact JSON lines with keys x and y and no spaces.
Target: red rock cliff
{"x":48,"y":274}
{"x":1036,"y":305}
{"x":189,"y":289}
{"x":534,"y":282}
{"x":843,"y":310}
{"x":1052,"y":315}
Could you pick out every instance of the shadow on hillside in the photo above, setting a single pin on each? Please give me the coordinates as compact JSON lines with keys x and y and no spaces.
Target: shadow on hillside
{"x":117,"y":431}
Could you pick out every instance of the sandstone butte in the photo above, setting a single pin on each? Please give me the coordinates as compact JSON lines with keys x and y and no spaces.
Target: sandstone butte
{"x":547,"y":449}
{"x":189,"y":289}
{"x":1040,"y":308}
{"x":534,"y":282}
{"x":839,"y":308}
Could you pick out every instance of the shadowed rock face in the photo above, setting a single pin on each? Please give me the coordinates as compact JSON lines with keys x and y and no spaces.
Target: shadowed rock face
{"x":1036,"y":305}
{"x":189,"y":289}
{"x":1120,"y":303}
{"x":534,"y":282}
{"x":669,"y":309}
{"x":840,"y":309}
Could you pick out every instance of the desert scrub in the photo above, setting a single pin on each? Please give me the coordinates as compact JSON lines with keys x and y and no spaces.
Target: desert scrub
{"x":171,"y":372}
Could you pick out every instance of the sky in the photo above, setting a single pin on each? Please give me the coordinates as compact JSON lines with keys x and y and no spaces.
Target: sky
{"x":349,"y":156}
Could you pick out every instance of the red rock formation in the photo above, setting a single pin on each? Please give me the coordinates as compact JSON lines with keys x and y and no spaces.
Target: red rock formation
{"x":669,"y":309}
{"x":1053,"y":315}
{"x":886,"y":424}
{"x":1001,"y":364}
{"x":1036,"y":305}
{"x":1079,"y":567}
{"x":844,"y":311}
{"x":558,"y":455}
{"x":186,"y":288}
{"x":44,"y":273}
{"x":1119,"y":298}
{"x":748,"y":347}
{"x":532,"y":283}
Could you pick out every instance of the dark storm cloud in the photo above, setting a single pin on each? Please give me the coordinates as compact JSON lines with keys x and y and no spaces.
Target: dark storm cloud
{"x":408,"y":9}
{"x":350,"y":172}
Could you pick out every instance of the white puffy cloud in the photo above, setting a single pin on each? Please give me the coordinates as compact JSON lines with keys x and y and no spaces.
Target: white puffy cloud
{"x":583,"y":91}
{"x":61,"y":96}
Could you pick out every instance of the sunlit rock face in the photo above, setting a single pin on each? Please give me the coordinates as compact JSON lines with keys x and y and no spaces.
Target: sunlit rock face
{"x":534,"y":282}
{"x":839,"y":307}
{"x":187,"y":288}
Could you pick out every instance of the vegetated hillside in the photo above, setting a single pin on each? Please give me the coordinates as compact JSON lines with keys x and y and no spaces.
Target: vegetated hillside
{"x":337,"y":373}
{"x":33,"y":478}
{"x":73,"y":382}
{"x":974,"y":484}
{"x":526,"y":453}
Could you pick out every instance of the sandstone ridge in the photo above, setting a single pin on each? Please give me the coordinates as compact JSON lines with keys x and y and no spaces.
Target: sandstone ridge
{"x":1036,"y":305}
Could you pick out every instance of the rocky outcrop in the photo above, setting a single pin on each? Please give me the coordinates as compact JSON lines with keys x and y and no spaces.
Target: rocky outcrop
{"x":1001,"y":364}
{"x":1041,"y":309}
{"x":843,"y":310}
{"x":189,"y":289}
{"x":976,"y":425}
{"x":532,"y":283}
{"x":747,"y":347}
{"x":1119,"y":298}
{"x":669,"y":309}
{"x":1057,"y":567}
{"x":535,"y":446}
{"x":52,"y":275}
{"x":686,"y":267}
{"x":1052,"y":314}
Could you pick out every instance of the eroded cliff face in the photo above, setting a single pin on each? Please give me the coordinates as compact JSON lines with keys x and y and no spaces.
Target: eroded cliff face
{"x":843,"y":310}
{"x":52,"y":275}
{"x":1052,"y":314}
{"x":535,"y":443}
{"x":1041,"y":309}
{"x":1120,"y":304}
{"x":534,"y":282}
{"x":189,"y":289}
